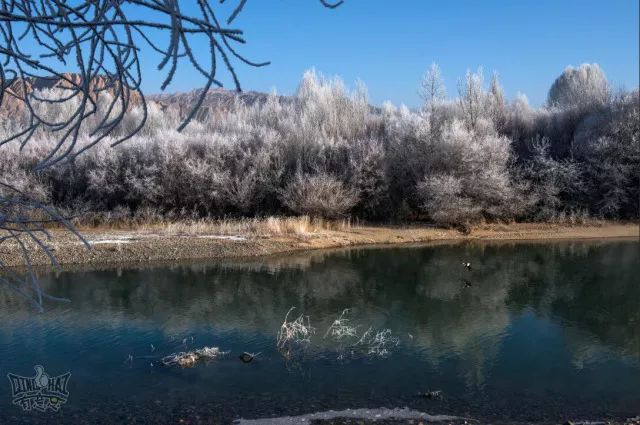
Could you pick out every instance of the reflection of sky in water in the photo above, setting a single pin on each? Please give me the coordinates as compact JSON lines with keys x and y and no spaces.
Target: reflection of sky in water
{"x":542,"y":328}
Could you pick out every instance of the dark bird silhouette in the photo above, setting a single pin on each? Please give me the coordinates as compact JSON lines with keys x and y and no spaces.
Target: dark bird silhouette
{"x":432,"y":395}
{"x":247,"y":357}
{"x":467,"y":265}
{"x":466,"y":283}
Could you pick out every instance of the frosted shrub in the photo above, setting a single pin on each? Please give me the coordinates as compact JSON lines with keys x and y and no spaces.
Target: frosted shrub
{"x":553,"y":180}
{"x":328,"y":109}
{"x":468,"y":176}
{"x":368,"y":176}
{"x":319,"y":195}
{"x":255,"y":171}
{"x":408,"y":141}
{"x":326,"y":152}
{"x":520,"y":122}
{"x":444,"y":200}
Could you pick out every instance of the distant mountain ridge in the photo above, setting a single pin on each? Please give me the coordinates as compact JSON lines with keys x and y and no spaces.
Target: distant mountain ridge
{"x":16,"y":90}
{"x":216,"y":101}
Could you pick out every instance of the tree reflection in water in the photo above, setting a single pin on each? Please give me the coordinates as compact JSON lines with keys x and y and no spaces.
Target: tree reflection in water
{"x":583,"y":294}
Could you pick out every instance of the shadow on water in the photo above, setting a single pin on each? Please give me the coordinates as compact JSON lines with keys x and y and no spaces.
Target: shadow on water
{"x":534,"y":332}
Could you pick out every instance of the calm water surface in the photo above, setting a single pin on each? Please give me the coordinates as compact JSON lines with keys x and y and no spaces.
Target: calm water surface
{"x":534,"y":332}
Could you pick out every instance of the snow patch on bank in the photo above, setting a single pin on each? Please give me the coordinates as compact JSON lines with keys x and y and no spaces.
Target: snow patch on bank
{"x":366,"y":414}
{"x":129,"y":239}
{"x":116,"y":241}
{"x":225,"y":237}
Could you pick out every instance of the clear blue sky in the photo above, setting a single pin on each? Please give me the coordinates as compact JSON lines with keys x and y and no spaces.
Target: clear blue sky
{"x":389,"y":44}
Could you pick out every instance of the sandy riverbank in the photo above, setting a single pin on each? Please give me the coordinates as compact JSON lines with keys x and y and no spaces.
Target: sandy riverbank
{"x":158,"y":244}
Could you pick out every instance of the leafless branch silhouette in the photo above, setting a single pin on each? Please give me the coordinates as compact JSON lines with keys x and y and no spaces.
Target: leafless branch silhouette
{"x":90,"y":47}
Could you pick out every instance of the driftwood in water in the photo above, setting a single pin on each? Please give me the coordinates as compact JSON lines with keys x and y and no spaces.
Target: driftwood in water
{"x":191,"y":358}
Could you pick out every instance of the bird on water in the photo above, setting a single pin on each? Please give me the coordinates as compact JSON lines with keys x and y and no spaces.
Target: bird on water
{"x":247,"y":357}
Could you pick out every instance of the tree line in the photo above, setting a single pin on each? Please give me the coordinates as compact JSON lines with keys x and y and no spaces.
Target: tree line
{"x":327,"y":152}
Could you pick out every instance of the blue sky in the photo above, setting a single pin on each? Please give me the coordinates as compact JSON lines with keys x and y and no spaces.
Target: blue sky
{"x":389,"y":44}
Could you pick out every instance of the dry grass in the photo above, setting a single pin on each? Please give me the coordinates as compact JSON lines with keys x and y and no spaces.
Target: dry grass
{"x":269,"y":226}
{"x":298,"y":331}
{"x":573,"y":219}
{"x":576,"y":218}
{"x":295,"y":334}
{"x":372,"y":343}
{"x":379,"y":343}
{"x":342,"y":327}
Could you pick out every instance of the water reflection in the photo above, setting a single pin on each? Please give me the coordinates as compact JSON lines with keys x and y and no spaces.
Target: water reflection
{"x":529,"y":319}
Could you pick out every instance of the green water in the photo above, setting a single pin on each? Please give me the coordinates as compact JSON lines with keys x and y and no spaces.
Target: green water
{"x":538,"y":332}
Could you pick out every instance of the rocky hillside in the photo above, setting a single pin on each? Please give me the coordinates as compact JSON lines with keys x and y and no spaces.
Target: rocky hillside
{"x":217,"y":100}
{"x":15,"y":91}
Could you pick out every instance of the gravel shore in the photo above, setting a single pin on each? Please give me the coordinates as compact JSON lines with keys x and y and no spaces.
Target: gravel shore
{"x":131,"y":246}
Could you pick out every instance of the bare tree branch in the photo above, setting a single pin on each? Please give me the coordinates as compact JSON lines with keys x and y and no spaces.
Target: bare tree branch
{"x":90,"y":47}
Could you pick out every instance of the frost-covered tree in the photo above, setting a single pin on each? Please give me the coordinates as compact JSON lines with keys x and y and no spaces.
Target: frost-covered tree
{"x":473,"y":168}
{"x":542,"y":163}
{"x":101,"y":41}
{"x":496,"y":104}
{"x":553,"y":182}
{"x":432,"y":88}
{"x":368,"y":177}
{"x":445,"y":200}
{"x":472,"y":97}
{"x":582,"y":87}
{"x":433,"y":93}
{"x":608,"y":143}
{"x":520,"y":125}
{"x":330,"y":109}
